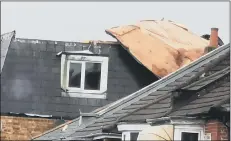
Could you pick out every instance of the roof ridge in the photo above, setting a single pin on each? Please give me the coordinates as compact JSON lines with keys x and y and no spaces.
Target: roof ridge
{"x":59,"y":41}
{"x":6,"y":40}
{"x":8,"y":33}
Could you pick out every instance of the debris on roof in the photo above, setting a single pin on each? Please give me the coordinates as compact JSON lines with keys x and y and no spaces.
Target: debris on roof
{"x":161,"y":46}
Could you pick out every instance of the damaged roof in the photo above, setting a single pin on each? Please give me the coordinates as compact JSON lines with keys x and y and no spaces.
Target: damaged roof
{"x":160,"y":45}
{"x":156,"y":96}
{"x":196,"y":103}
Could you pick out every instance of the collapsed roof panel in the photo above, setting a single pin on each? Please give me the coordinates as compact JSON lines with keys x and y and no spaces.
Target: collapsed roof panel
{"x":161,"y":46}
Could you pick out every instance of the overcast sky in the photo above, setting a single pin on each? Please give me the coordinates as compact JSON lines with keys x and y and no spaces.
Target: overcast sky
{"x":79,"y":21}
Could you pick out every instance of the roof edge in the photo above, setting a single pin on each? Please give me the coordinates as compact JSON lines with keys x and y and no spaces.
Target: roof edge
{"x":94,"y":135}
{"x":56,"y":128}
{"x":58,"y":42}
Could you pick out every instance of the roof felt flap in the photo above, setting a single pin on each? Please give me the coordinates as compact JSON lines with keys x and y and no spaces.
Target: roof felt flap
{"x":177,"y":43}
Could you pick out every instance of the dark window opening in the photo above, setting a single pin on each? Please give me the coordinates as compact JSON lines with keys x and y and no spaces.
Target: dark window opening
{"x":134,"y":136}
{"x":75,"y":75}
{"x":189,"y":136}
{"x":92,"y":76}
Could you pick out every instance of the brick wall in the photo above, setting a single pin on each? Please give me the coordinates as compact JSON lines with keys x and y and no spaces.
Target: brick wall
{"x":217,"y":129}
{"x":23,"y":128}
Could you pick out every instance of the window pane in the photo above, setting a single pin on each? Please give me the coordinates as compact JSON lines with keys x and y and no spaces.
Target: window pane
{"x":75,"y":75}
{"x":92,"y":76}
{"x":189,"y":136}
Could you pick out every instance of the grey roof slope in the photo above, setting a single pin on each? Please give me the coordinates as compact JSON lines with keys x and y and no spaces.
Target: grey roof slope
{"x":5,"y":43}
{"x":195,"y":103}
{"x":201,"y":103}
{"x":30,"y":78}
{"x":207,"y":80}
{"x":154,"y":93}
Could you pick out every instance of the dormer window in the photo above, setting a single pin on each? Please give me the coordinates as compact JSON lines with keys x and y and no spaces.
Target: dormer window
{"x":84,"y":74}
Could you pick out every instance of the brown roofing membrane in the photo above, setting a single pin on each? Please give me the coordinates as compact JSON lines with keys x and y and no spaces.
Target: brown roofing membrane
{"x":160,"y":45}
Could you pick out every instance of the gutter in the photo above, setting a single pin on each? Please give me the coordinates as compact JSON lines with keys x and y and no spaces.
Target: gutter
{"x":96,"y":136}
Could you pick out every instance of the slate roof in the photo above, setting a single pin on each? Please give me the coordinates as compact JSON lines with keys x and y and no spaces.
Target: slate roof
{"x":194,"y":104}
{"x":5,"y":43}
{"x":155,"y":96}
{"x":207,"y":80}
{"x":30,"y":78}
{"x":203,"y":103}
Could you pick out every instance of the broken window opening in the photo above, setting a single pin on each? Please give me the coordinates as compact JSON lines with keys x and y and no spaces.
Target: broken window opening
{"x":75,"y":75}
{"x":92,"y":76}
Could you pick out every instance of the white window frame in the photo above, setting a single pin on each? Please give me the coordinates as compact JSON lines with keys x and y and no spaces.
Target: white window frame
{"x":127,"y":129}
{"x":81,"y":92}
{"x":178,"y":129}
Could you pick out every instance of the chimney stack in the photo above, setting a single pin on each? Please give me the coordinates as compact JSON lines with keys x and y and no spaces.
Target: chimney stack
{"x":213,"y":44}
{"x":214,"y":37}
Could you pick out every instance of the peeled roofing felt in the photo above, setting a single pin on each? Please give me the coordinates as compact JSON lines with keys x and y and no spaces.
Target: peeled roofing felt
{"x":161,"y":46}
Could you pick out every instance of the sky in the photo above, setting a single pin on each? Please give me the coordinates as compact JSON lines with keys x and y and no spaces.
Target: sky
{"x":81,"y":21}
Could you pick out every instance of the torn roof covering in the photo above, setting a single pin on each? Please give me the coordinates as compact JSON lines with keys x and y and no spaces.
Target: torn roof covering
{"x":149,"y":95}
{"x":161,"y":46}
{"x":5,"y":43}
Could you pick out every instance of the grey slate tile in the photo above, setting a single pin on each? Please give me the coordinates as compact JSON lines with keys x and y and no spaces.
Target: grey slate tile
{"x":69,"y":48}
{"x":56,"y":70}
{"x":50,"y":48}
{"x":93,"y":102}
{"x":45,"y":55}
{"x":83,"y":101}
{"x":159,"y":106}
{"x":61,"y":107}
{"x":59,"y":48}
{"x":141,"y":117}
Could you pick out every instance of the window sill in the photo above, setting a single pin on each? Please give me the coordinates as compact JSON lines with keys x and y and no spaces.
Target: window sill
{"x":84,"y":95}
